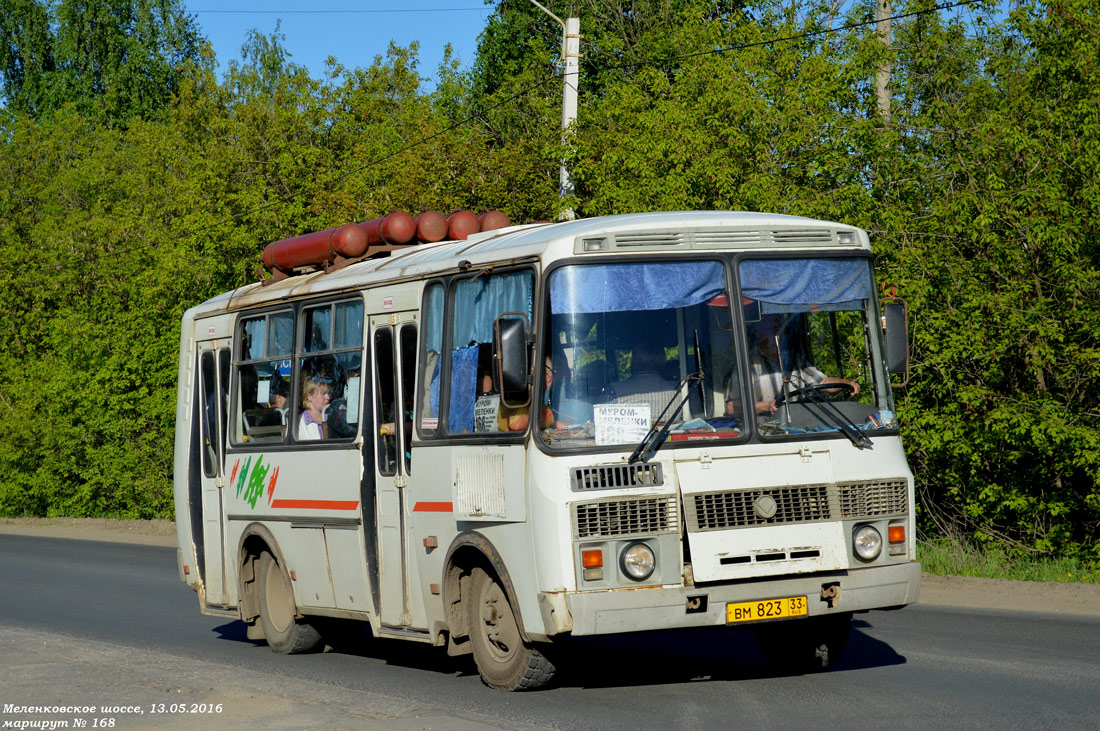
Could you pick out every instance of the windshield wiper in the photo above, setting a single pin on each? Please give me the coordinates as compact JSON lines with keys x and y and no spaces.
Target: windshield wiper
{"x":653,"y":439}
{"x":845,"y":424}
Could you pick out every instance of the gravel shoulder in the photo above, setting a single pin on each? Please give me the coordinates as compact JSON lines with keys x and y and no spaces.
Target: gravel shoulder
{"x":954,"y":591}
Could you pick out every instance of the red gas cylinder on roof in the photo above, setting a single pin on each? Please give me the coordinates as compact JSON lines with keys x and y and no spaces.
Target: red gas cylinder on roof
{"x":492,"y":220}
{"x":431,"y":226}
{"x":461,"y":224}
{"x":315,"y":248}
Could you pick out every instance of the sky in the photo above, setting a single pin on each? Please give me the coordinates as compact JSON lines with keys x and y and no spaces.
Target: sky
{"x":354,"y":31}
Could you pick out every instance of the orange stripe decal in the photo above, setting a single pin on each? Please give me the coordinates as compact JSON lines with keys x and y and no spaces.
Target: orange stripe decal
{"x":316,"y":504}
{"x":434,"y":508}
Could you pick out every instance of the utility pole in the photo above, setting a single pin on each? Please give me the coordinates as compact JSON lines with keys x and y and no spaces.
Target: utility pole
{"x":571,"y":79}
{"x":883,"y":13}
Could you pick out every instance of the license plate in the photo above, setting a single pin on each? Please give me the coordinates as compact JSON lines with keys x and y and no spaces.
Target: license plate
{"x":788,"y":606}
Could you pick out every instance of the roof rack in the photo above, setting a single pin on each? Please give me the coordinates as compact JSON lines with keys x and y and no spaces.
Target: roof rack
{"x":336,"y":248}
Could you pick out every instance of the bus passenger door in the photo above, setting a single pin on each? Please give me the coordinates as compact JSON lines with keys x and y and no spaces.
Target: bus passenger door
{"x":213,"y":393}
{"x":393,"y":339}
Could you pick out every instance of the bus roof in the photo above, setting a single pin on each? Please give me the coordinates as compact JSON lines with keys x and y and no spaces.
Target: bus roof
{"x":631,"y":233}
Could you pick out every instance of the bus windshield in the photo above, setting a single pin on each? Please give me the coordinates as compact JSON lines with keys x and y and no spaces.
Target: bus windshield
{"x":628,"y":342}
{"x":811,"y":333}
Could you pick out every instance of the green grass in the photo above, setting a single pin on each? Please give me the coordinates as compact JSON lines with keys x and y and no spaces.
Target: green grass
{"x":947,"y":558}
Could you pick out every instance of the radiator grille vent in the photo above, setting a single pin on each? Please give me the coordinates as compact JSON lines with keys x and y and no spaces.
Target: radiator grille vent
{"x":606,"y":477}
{"x":708,"y":239}
{"x":802,"y":237}
{"x":771,"y":506}
{"x":649,"y":239}
{"x":625,"y":517}
{"x":873,"y":498}
{"x":796,"y":504}
{"x":725,"y":238}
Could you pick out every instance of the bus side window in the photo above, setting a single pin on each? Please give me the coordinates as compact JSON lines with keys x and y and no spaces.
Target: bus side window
{"x":431,"y":366}
{"x":263,"y":378}
{"x":386,"y":417}
{"x":330,"y":361}
{"x":407,"y":338}
{"x":478,"y":301}
{"x":209,"y":416}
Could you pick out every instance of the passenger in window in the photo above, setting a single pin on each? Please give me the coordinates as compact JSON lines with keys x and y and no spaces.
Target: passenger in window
{"x":645,"y":385}
{"x":316,"y":396}
{"x":773,"y":362}
{"x":516,"y":419}
{"x":337,"y":417}
{"x":487,"y":408}
{"x":277,"y":398}
{"x":277,"y":393}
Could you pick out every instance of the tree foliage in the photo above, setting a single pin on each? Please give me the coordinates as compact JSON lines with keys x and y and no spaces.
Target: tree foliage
{"x":117,"y":58}
{"x":120,"y":208}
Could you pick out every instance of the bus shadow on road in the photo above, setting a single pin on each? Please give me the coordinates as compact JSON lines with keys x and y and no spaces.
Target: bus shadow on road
{"x":347,"y":637}
{"x":711,"y":654}
{"x":685,"y":656}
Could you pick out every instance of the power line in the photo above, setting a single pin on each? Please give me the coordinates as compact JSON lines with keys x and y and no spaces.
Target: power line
{"x":796,"y":37}
{"x":337,"y":12}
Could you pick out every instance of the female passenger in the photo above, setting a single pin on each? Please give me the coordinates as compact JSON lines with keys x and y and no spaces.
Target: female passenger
{"x":316,"y":395}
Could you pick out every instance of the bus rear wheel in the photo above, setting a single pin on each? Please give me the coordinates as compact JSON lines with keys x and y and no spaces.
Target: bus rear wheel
{"x":503,"y":659}
{"x":284,"y":632}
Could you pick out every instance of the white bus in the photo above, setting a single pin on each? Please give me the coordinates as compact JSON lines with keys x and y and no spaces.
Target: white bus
{"x":619,"y":424}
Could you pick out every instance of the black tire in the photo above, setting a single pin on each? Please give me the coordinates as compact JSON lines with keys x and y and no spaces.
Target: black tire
{"x":805,"y":645}
{"x":503,"y":659}
{"x":284,"y":633}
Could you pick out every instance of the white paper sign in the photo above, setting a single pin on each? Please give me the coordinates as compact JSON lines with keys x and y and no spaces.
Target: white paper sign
{"x":485,"y":413}
{"x":353,"y":400}
{"x":620,"y":423}
{"x":263,"y":392}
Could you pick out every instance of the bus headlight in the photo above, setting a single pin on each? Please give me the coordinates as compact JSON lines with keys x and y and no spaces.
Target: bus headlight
{"x":637,"y":561}
{"x":867,"y":543}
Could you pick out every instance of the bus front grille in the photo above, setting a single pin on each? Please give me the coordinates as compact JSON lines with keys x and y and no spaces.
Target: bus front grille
{"x":796,"y":504}
{"x":873,"y":498}
{"x":769,"y":506}
{"x":628,"y":517}
{"x":606,"y":477}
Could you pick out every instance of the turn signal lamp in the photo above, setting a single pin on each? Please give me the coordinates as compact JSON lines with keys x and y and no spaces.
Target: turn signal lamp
{"x":592,"y":560}
{"x":895,"y":534}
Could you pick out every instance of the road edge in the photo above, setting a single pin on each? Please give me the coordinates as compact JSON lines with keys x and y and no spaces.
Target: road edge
{"x":943,"y":591}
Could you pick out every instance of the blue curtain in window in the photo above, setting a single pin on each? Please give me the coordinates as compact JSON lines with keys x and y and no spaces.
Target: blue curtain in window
{"x":349,"y":325}
{"x":460,"y":417}
{"x":479,"y":301}
{"x":433,"y":320}
{"x":626,"y":287}
{"x":828,"y":284}
{"x":433,"y":388}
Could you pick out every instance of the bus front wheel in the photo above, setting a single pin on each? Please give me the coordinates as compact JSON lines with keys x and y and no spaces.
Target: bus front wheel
{"x":503,"y":659}
{"x":284,"y":632}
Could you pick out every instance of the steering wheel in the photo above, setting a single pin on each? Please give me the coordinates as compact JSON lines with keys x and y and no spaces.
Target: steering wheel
{"x":816,"y":388}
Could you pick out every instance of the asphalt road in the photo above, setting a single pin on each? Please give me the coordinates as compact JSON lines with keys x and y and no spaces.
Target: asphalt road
{"x":111,"y":623}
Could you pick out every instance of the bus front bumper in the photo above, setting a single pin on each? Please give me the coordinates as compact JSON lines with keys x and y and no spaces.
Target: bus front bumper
{"x":658,"y":608}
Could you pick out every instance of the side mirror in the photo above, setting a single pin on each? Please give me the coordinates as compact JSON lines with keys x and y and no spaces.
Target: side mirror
{"x":896,"y":331}
{"x":510,"y":356}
